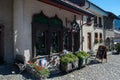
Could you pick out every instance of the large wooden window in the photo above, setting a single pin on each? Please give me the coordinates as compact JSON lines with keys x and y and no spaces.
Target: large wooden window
{"x":89,"y":21}
{"x":55,"y":42}
{"x":41,"y":43}
{"x":46,"y":35}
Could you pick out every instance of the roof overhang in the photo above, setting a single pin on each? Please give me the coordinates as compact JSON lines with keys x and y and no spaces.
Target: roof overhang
{"x":112,"y":15}
{"x":67,"y":5}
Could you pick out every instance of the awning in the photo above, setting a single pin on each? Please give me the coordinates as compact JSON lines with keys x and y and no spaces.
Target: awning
{"x":69,"y":6}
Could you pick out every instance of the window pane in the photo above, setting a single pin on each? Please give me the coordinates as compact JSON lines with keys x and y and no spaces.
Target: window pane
{"x":55,"y":42}
{"x":40,"y":43}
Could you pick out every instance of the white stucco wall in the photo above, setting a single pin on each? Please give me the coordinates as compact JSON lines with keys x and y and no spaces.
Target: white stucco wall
{"x":109,"y":33}
{"x":91,"y":29}
{"x":23,"y":12}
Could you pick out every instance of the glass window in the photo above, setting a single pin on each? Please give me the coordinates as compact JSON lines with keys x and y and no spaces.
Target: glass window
{"x":100,"y":22}
{"x":96,"y":38}
{"x":100,"y":37}
{"x":54,"y":45}
{"x":95,"y":20}
{"x":40,"y":43}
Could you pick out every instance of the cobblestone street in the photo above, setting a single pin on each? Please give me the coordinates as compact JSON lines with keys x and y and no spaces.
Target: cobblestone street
{"x":104,"y":71}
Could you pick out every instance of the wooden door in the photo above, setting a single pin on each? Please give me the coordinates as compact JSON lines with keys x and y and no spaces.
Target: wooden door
{"x":89,"y":40}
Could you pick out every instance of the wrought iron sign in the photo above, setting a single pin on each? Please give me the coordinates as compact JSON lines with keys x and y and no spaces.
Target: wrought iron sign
{"x":75,"y":26}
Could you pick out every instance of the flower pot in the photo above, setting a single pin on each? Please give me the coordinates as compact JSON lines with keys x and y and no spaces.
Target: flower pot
{"x":75,"y":64}
{"x":67,"y":67}
{"x":35,"y":73}
{"x":82,"y":62}
{"x":88,"y":61}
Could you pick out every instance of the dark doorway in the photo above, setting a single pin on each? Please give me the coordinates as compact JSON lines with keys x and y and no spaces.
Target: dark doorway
{"x":76,"y":36}
{"x":1,"y":45}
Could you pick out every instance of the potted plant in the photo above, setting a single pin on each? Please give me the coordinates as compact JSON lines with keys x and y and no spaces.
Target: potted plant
{"x":83,"y":58}
{"x":37,"y":71}
{"x":74,"y":60}
{"x":117,"y":47}
{"x":96,"y":41}
{"x":101,"y":40}
{"x":68,"y":62}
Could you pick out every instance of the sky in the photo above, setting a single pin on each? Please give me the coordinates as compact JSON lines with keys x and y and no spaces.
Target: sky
{"x":108,"y":5}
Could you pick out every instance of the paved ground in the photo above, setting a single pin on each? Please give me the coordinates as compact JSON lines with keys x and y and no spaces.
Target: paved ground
{"x":94,"y":71}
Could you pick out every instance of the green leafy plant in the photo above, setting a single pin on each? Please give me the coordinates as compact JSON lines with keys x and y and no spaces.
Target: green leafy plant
{"x":83,"y":58}
{"x":96,"y":41}
{"x":82,"y":54}
{"x":117,"y":46}
{"x":101,"y":40}
{"x":68,"y":58}
{"x":68,"y":62}
{"x":42,"y":72}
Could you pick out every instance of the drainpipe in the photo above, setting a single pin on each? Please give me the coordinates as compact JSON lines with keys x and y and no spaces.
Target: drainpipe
{"x":104,"y":32}
{"x":82,"y":34}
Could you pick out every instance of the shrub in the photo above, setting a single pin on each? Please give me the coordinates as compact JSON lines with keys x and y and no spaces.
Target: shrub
{"x":117,"y":46}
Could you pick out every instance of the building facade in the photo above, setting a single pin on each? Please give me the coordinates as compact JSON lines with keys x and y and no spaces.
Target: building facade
{"x":109,"y":30}
{"x":39,"y":27}
{"x":45,"y":27}
{"x":93,"y":32}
